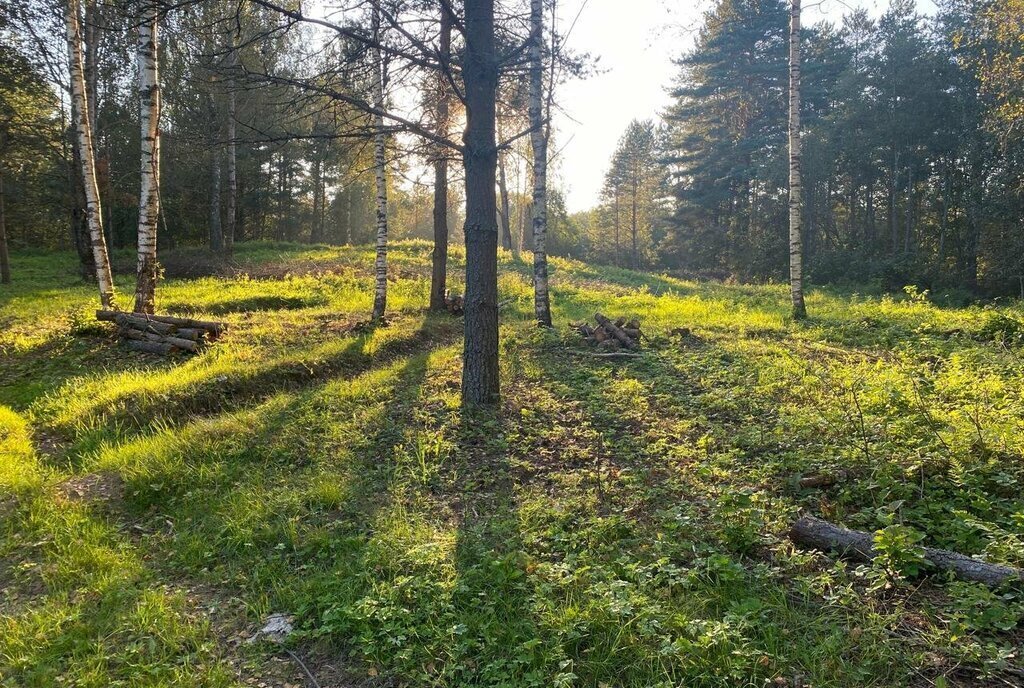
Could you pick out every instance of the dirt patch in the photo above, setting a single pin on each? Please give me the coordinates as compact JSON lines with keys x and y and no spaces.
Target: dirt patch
{"x":93,"y":487}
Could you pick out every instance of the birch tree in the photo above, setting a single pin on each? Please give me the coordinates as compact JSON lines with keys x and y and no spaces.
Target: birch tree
{"x":380,"y":292}
{"x":83,"y":134}
{"x":149,"y":193}
{"x":796,"y":285}
{"x":539,"y":143}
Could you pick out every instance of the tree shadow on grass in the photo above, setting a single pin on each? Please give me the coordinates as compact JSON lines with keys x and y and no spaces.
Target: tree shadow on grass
{"x":139,"y":409}
{"x":279,"y":507}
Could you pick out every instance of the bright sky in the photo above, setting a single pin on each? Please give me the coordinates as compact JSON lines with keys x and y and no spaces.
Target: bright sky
{"x":636,"y":48}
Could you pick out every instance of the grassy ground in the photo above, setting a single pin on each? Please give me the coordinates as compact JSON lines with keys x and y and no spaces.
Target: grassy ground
{"x":619,"y":523}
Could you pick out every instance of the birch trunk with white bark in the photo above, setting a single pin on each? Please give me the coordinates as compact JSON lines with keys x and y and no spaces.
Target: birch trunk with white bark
{"x":796,"y":280}
{"x":380,"y":292}
{"x":538,"y":141}
{"x":149,"y":194}
{"x":83,"y":134}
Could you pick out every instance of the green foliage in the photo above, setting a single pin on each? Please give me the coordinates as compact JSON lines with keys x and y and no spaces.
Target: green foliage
{"x":618,"y":523}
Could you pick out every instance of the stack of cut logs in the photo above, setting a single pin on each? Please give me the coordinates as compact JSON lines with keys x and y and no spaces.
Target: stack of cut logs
{"x":162,"y":334}
{"x":453,"y":302}
{"x":611,"y":335}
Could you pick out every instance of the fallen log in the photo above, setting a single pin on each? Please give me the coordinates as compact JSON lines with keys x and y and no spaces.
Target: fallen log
{"x":137,"y":335}
{"x":814,"y":532}
{"x":616,"y":331}
{"x":190,"y":333}
{"x":214,"y":328}
{"x":140,"y":323}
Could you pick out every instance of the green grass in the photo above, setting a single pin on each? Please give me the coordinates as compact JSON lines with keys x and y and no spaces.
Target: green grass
{"x":617,"y":523}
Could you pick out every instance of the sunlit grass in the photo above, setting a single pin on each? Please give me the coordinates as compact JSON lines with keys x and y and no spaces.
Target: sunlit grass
{"x":618,"y":523}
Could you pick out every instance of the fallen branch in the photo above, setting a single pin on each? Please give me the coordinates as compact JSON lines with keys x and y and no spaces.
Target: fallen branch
{"x":823,"y":480}
{"x":814,"y":532}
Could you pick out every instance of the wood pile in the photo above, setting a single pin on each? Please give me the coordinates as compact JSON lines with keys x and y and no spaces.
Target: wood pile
{"x":162,"y":334}
{"x":611,"y":335}
{"x":454,"y":303}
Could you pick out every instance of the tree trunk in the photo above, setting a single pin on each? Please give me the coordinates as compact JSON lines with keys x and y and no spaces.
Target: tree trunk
{"x":216,"y":228}
{"x":796,"y":279}
{"x":539,"y":143}
{"x":380,"y":292}
{"x":231,"y":212}
{"x":149,"y":196}
{"x":316,"y":232}
{"x":439,"y":258}
{"x":634,"y":193}
{"x":5,"y":260}
{"x":480,"y":371}
{"x":617,"y":226}
{"x":506,"y":220}
{"x":83,"y":130}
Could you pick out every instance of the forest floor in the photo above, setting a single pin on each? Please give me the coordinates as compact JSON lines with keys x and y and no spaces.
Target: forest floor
{"x":620,"y":523}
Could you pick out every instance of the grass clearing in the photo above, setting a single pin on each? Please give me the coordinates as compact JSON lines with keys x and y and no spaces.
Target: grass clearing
{"x":617,"y":524}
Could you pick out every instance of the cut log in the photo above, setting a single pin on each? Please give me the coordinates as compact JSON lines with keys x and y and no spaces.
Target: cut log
{"x":141,"y":323}
{"x":161,"y":348}
{"x":616,"y":331}
{"x":178,"y":342}
{"x":214,"y":328}
{"x":190,"y":333}
{"x":814,"y":532}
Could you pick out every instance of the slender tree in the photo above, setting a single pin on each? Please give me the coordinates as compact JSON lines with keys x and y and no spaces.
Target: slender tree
{"x":796,"y":280}
{"x":539,"y":143}
{"x":149,"y":195}
{"x":83,"y":133}
{"x":439,"y":259}
{"x":5,"y":261}
{"x":380,"y":292}
{"x":231,"y":211}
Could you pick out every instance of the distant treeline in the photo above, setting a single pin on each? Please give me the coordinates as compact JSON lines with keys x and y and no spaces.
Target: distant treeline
{"x":912,"y":161}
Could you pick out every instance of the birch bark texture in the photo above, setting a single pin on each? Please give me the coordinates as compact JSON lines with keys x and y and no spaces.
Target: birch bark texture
{"x":380,"y":291}
{"x":83,"y":134}
{"x":439,"y":259}
{"x":539,"y":144}
{"x":796,"y":279}
{"x":149,"y":193}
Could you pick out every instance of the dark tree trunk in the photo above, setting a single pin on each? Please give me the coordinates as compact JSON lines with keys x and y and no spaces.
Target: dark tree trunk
{"x":216,"y":229}
{"x":439,"y":258}
{"x":316,"y":232}
{"x":480,"y":383}
{"x":5,"y":261}
{"x":506,"y":220}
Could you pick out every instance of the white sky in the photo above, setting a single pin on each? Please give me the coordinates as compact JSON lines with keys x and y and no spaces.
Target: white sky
{"x":636,"y":49}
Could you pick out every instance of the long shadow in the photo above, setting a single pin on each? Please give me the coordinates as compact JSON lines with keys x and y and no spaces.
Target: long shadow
{"x":283,"y":517}
{"x":138,"y":411}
